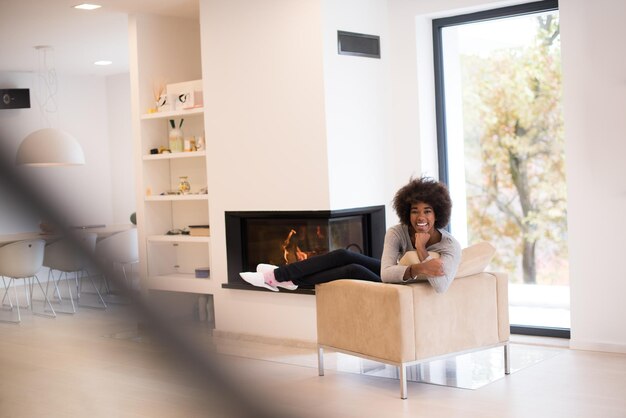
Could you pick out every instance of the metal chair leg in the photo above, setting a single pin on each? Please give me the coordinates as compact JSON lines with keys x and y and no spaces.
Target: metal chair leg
{"x":98,"y":292}
{"x":69,"y":291}
{"x":105,"y":287}
{"x":109,"y":293}
{"x":56,"y":284}
{"x":6,"y":293}
{"x":54,"y":280}
{"x":27,"y":291}
{"x":320,"y":361}
{"x":104,"y":305}
{"x":17,"y":303}
{"x":53,"y":315}
{"x":403,"y":385}
{"x":57,"y":291}
{"x":507,"y":359}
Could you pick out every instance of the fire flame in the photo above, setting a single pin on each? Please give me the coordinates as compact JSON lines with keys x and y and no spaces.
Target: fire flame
{"x":291,"y":251}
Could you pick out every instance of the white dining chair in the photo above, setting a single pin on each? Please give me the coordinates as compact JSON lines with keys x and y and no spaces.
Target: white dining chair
{"x":70,"y":256}
{"x":21,"y":260}
{"x":121,"y":252}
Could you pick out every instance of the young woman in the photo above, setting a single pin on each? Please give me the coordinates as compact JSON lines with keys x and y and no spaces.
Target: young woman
{"x":424,"y":207}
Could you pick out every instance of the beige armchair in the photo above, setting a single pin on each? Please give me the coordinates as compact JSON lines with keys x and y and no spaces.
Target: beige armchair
{"x":404,"y":325}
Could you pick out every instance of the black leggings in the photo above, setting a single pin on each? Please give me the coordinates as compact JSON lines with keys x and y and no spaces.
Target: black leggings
{"x":338,"y":264}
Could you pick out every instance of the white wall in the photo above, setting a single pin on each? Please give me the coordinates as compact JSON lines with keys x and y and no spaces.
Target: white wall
{"x":594,"y":74}
{"x":263,"y":75}
{"x":357,"y":99}
{"x":121,"y":164}
{"x":265,"y":130}
{"x":82,"y":193}
{"x":14,"y":125}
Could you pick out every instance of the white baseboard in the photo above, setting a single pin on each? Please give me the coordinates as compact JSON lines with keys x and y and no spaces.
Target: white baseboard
{"x":595,"y":346}
{"x":264,"y":339}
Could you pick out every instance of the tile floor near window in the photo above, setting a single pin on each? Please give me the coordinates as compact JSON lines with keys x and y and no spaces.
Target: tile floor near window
{"x":95,"y":364}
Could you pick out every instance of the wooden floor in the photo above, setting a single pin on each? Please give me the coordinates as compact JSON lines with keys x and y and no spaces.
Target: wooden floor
{"x":92,"y":365}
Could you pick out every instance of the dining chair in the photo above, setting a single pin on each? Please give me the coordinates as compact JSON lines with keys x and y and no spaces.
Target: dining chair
{"x":120,"y":251}
{"x":67,"y":256}
{"x":21,"y":260}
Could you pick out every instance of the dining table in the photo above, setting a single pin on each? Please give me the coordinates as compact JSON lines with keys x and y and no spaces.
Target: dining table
{"x":102,"y":231}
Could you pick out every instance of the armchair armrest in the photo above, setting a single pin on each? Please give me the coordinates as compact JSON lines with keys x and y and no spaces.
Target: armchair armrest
{"x":502,"y":289}
{"x":372,"y":319}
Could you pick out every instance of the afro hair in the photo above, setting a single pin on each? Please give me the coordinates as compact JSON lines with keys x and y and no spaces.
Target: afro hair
{"x":426,"y":190}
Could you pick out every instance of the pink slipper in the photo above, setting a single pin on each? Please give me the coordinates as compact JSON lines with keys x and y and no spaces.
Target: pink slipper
{"x":256,"y":279}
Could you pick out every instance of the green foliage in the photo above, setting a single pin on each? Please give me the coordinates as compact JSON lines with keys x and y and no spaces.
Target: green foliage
{"x":515,"y":149}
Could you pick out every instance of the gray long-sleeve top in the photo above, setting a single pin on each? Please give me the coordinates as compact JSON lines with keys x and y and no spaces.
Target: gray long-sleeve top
{"x":398,"y":242}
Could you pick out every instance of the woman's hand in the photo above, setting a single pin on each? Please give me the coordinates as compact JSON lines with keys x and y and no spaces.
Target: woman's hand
{"x":421,"y":239}
{"x":431,"y":268}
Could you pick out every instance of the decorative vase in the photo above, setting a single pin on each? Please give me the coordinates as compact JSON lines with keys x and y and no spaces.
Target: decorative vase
{"x":200,"y":144}
{"x":183,"y":185}
{"x":176,"y":140}
{"x":162,"y":104}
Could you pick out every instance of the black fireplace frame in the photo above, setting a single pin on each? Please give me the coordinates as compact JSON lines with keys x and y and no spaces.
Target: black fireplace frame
{"x":373,"y":235}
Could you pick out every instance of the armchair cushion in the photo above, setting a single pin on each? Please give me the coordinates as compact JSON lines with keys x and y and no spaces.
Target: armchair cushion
{"x":475,"y":259}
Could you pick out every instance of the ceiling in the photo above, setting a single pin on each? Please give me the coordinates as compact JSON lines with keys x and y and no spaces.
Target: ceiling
{"x":78,"y":37}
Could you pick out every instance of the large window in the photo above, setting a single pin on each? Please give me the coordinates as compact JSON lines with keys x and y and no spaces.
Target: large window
{"x":501,"y":151}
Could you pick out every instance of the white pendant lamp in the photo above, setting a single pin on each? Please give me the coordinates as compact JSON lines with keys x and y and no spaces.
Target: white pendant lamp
{"x":50,"y":147}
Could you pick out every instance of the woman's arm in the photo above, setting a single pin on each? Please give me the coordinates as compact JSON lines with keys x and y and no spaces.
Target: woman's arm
{"x":450,"y":256}
{"x":421,"y":239}
{"x":430,"y":267}
{"x":423,"y":268}
{"x":393,"y":249}
{"x":439,"y":271}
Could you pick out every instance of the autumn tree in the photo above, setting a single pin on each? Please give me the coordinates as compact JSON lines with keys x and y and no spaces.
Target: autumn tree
{"x":514,"y":126}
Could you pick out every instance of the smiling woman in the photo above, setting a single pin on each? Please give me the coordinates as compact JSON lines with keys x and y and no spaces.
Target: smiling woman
{"x":423,"y":206}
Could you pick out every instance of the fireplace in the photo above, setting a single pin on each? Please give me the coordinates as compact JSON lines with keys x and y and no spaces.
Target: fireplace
{"x":283,"y":237}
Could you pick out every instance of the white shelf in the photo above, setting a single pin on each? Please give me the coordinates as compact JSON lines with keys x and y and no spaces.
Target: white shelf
{"x":173,"y":114}
{"x":176,"y":197}
{"x":173,"y":155}
{"x":179,"y":239}
{"x":179,"y":282}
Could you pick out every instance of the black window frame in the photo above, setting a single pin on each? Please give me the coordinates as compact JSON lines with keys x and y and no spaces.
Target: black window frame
{"x":442,"y":146}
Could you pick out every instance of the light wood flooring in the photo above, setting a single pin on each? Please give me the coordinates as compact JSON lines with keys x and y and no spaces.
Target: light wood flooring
{"x":91,"y":365}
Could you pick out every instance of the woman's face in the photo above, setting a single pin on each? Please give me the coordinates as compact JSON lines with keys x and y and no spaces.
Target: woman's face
{"x":422,"y":217}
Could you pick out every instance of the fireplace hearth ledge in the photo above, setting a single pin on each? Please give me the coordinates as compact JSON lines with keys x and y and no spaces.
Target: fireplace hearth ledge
{"x":236,"y":286}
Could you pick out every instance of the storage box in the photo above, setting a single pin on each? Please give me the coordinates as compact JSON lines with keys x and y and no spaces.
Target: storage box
{"x":186,"y":95}
{"x":202,"y":272}
{"x":199,"y":230}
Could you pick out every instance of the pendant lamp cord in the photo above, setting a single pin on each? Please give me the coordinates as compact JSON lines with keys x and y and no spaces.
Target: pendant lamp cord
{"x":46,"y":84}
